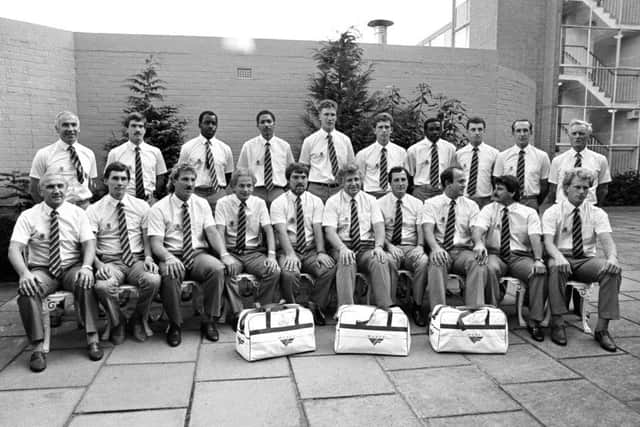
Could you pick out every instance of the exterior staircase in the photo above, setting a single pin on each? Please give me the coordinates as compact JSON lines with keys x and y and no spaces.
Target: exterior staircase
{"x":624,"y":14}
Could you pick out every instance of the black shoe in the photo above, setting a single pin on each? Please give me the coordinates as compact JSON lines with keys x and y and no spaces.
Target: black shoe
{"x":419,"y":315}
{"x":38,"y":361}
{"x":119,"y":333}
{"x":209,"y":331}
{"x":232,"y":321}
{"x":174,"y":335}
{"x":95,"y":352}
{"x":605,"y":340}
{"x":137,"y":329}
{"x":559,"y":334}
{"x":536,"y":332}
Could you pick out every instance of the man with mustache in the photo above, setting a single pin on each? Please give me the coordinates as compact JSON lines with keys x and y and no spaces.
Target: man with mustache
{"x":60,"y":247}
{"x":145,"y":162}
{"x":297,"y":218}
{"x":68,"y":158}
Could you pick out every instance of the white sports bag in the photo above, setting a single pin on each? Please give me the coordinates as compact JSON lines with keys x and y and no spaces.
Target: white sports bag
{"x":481,"y":329}
{"x":370,"y":330}
{"x":275,"y":330}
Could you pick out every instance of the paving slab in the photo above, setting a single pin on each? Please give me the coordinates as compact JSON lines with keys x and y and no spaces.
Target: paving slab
{"x":246,"y":403}
{"x":579,"y":344}
{"x":506,"y":419}
{"x":222,"y":362}
{"x":155,"y":418}
{"x":572,"y":403}
{"x":633,"y":294}
{"x":340,"y":375}
{"x":630,"y":310}
{"x":10,"y":347}
{"x":325,"y":335}
{"x":9,"y":305}
{"x":65,"y":368}
{"x":629,"y":284}
{"x":421,"y":356}
{"x":522,"y":363}
{"x":617,"y":328}
{"x":389,"y":410}
{"x":28,"y":408}
{"x":630,"y":345}
{"x":8,"y":291}
{"x":155,"y":350}
{"x":631,"y":274}
{"x":127,"y":387}
{"x":635,"y":405}
{"x":69,"y":336}
{"x":451,"y":391}
{"x":618,"y":375}
{"x":10,"y":324}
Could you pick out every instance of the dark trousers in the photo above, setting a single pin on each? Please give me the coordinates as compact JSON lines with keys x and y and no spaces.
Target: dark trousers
{"x":253,"y":263}
{"x":324,"y":277}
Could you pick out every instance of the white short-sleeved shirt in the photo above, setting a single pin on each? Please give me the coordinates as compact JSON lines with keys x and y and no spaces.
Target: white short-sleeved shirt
{"x":486,"y":160}
{"x":103,"y":217}
{"x":590,"y":160}
{"x":536,"y":166}
{"x":557,"y":221}
{"x":283,"y":211}
{"x":368,"y":160}
{"x":151,"y":159}
{"x":257,"y":215}
{"x":337,"y":213}
{"x":194,"y":151}
{"x":436,"y":212}
{"x":419,"y":160}
{"x":33,"y":227}
{"x":55,"y":158}
{"x":315,"y":153}
{"x":252,"y":158}
{"x":523,"y":222}
{"x":411,"y":217}
{"x":165,"y":220}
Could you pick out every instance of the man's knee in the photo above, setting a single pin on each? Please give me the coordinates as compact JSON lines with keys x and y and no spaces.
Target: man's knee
{"x":150,"y":281}
{"x":288,"y":276}
{"x":103,"y":287}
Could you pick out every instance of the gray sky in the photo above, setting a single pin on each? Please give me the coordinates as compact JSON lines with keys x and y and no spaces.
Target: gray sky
{"x":241,"y":19}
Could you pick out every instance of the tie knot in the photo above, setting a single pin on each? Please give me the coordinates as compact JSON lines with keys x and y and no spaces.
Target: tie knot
{"x":137,"y":149}
{"x":243,"y":204}
{"x":576,"y":211}
{"x":267,"y":144}
{"x":522,"y":152}
{"x":329,"y":137}
{"x":384,"y":149}
{"x":578,"y":156}
{"x":452,"y":203}
{"x":208,"y":142}
{"x":505,"y":210}
{"x":71,"y":148}
{"x":185,"y":205}
{"x":54,"y":213}
{"x":120,"y":205}
{"x":475,"y":149}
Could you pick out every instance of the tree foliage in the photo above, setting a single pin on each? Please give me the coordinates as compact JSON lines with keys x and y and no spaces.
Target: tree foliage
{"x":164,"y":128}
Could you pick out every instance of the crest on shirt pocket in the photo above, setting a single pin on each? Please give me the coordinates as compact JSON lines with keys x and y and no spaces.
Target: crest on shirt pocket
{"x":292,"y":220}
{"x":107,"y":226}
{"x":232,"y":223}
{"x":258,"y":162}
{"x":198,"y":163}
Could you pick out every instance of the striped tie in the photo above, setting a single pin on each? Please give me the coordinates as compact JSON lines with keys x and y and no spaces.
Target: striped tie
{"x":473,"y":173}
{"x":188,"y":254}
{"x":211,"y":166}
{"x":520,"y":172}
{"x":578,"y":163}
{"x":505,"y":236}
{"x":354,"y":230}
{"x":268,"y":167}
{"x":75,"y":160}
{"x":384,"y":174}
{"x":241,"y":234}
{"x":434,"y":172}
{"x":450,"y":229}
{"x":578,"y":248}
{"x":301,"y":240}
{"x":55,"y":263}
{"x":333,"y":158}
{"x":139,"y":180}
{"x":396,"y":237}
{"x":125,"y":246}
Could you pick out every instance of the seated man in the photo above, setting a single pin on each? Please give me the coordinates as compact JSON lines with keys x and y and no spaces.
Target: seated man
{"x":181,"y":230}
{"x":61,"y":247}
{"x":507,"y":235}
{"x":242,"y":219}
{"x":570,"y":229}
{"x":446,"y":223}
{"x":297,"y":218}
{"x":354,"y":227}
{"x":404,"y":238}
{"x":123,"y":252}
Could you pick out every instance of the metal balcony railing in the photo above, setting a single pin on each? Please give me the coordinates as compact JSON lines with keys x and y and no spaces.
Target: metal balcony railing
{"x":625,"y":12}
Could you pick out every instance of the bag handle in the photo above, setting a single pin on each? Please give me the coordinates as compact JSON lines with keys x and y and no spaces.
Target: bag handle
{"x":465,"y":313}
{"x":268,"y":316}
{"x":373,"y":312}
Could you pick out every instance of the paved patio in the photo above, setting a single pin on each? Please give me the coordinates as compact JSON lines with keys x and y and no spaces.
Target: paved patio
{"x":208,"y":384}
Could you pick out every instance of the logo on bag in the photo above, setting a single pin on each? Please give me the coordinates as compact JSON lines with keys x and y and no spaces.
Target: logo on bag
{"x":286,"y":341}
{"x":376,"y":340}
{"x":475,"y":338}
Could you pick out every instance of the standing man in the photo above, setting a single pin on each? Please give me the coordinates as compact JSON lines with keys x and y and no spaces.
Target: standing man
{"x":427,"y":159}
{"x":507,"y":235}
{"x":354,"y":227}
{"x":181,"y":230}
{"x":123,"y":255}
{"x":377,"y":159}
{"x":404,"y":239}
{"x":60,"y":245}
{"x":211,"y":158}
{"x":326,"y":151}
{"x":68,"y":158}
{"x":571,"y":228}
{"x":297,"y":218}
{"x":477,"y":159}
{"x":527,"y":163}
{"x":242,"y":220}
{"x":145,"y":162}
{"x":267,"y":156}
{"x":579,"y":156}
{"x":446,"y":222}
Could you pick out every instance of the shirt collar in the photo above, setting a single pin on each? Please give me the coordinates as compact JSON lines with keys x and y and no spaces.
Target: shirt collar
{"x":177,"y":202}
{"x":61,"y":145}
{"x":114,"y":202}
{"x":203,"y":140}
{"x":526,"y":149}
{"x":263,"y":140}
{"x":324,"y":133}
{"x":347,"y":197}
{"x":133,"y":146}
{"x":48,"y":209}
